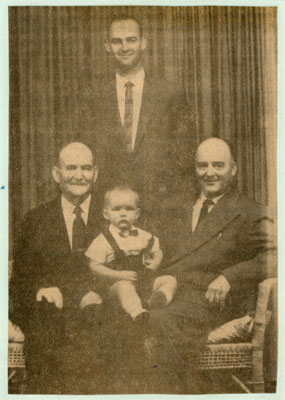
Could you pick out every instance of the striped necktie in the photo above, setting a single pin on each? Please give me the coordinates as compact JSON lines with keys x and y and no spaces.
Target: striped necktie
{"x":128,"y":118}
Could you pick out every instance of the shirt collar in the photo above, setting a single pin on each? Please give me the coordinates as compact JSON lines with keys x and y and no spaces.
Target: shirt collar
{"x":136,"y":79}
{"x":68,"y":207}
{"x":116,"y":231}
{"x":215,"y":200}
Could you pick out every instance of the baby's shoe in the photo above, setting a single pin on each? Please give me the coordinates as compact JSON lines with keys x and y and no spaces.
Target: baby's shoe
{"x":158,"y":299}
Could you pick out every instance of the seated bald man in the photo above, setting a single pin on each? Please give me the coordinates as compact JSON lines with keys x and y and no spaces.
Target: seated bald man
{"x":220,"y":246}
{"x":51,"y":286}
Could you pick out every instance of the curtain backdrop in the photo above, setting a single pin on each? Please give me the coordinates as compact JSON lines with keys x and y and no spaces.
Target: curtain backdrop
{"x":224,"y":58}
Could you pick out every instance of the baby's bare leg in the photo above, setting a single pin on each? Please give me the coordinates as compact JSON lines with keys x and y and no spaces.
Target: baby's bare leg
{"x":128,"y":297}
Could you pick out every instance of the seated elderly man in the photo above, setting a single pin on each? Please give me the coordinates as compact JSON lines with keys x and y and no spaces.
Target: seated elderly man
{"x":219,"y":251}
{"x":51,"y":284}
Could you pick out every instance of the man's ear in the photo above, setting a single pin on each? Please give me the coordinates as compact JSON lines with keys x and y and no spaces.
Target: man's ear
{"x":107,"y":45}
{"x":55,"y":174}
{"x":234,"y":169}
{"x":105,"y":214}
{"x":95,"y":169}
{"x":138,"y":213}
{"x":143,"y":43}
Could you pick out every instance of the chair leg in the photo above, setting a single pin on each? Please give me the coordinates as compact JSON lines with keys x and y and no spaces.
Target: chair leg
{"x":17,"y":381}
{"x":258,"y":387}
{"x":257,"y":380}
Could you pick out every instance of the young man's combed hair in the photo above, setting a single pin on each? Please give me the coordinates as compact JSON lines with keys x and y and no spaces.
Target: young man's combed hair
{"x":124,"y":17}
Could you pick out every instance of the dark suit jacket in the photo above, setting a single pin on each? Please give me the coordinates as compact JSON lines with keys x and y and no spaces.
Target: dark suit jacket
{"x":231,"y":240}
{"x":165,"y":139}
{"x":43,"y":258}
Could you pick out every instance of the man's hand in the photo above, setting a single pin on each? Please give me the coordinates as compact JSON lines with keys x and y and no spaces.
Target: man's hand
{"x":128,"y":276}
{"x":52,"y":295}
{"x":217,"y":291}
{"x":90,"y":298}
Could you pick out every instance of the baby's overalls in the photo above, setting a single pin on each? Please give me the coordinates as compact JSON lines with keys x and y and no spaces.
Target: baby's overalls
{"x":122,"y":262}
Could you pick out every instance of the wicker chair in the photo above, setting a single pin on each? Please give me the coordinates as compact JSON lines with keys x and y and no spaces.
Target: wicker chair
{"x":16,"y":358}
{"x":16,"y":368}
{"x":230,"y":356}
{"x":244,"y":356}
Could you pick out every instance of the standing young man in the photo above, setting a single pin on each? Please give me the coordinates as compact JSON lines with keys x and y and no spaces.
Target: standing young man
{"x":140,"y":124}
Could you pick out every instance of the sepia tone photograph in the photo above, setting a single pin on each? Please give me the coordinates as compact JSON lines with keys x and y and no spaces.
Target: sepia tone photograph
{"x":148,"y":132}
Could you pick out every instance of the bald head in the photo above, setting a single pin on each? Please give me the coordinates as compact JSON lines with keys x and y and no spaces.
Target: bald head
{"x":75,"y":172}
{"x":212,"y":145}
{"x":75,"y":150}
{"x":215,"y":167}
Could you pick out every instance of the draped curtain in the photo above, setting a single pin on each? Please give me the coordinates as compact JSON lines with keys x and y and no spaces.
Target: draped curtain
{"x":224,"y":58}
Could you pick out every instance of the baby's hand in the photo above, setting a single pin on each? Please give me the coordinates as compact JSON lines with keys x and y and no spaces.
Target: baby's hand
{"x":152,"y":266}
{"x":128,"y":276}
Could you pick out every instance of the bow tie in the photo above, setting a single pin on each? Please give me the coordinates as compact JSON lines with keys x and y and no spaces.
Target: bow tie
{"x":133,"y":232}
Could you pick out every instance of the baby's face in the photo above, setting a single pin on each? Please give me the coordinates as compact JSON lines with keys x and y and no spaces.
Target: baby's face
{"x":122,"y":210}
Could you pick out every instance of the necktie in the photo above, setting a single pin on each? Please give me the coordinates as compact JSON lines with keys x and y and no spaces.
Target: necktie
{"x":78,"y":231}
{"x":128,"y":118}
{"x":204,"y":210}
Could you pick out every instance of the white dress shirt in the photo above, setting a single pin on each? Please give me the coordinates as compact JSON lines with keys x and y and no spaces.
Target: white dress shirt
{"x":69,"y":216}
{"x":197,"y":208}
{"x":101,"y":251}
{"x":138,"y":82}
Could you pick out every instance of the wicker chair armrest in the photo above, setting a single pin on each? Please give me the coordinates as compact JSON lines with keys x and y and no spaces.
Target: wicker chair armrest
{"x":261,"y":314}
{"x":264,"y":291}
{"x":226,"y":347}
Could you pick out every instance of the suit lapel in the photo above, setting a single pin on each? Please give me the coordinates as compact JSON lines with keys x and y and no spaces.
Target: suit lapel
{"x":110,"y":102}
{"x":188,"y":214}
{"x":58,"y":227}
{"x":178,"y":219}
{"x":94,"y":218}
{"x":110,"y":105}
{"x":221,"y":215}
{"x":149,"y":98}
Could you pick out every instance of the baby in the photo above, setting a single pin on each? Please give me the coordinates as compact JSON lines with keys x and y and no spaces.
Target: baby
{"x":127,"y":257}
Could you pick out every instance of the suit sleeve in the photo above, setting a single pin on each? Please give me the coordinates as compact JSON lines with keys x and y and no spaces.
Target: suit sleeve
{"x":261,"y":238}
{"x":251,"y":255}
{"x":26,"y":276}
{"x":196,"y":273}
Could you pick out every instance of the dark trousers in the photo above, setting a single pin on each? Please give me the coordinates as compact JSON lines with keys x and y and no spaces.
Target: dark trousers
{"x":180,"y":331}
{"x":62,"y":348}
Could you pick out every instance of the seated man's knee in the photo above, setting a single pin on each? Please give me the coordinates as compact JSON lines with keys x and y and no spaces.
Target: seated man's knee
{"x":44,"y":307}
